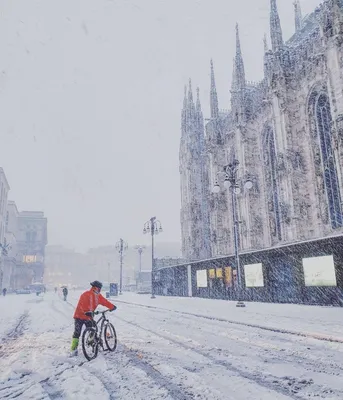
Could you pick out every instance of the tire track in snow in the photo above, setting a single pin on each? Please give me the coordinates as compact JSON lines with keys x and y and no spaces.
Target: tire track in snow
{"x":50,"y":388}
{"x":313,"y":335}
{"x":259,"y":380}
{"x":14,"y":389}
{"x":52,"y":391}
{"x":14,"y":333}
{"x":176,"y":391}
{"x":64,"y":314}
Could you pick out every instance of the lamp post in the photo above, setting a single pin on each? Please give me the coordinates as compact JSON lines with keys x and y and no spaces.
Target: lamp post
{"x":153,"y":226}
{"x":140,"y":248}
{"x":121,"y":246}
{"x":233,"y":183}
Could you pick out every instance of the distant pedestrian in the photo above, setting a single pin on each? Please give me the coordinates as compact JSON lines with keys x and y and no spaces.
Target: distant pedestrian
{"x":65,"y":293}
{"x":55,"y":289}
{"x":4,"y":291}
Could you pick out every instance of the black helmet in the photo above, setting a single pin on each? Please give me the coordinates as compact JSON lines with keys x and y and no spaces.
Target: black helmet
{"x":96,"y":284}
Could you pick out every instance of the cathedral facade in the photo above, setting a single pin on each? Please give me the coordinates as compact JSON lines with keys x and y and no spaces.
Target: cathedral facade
{"x":287,"y":134}
{"x":194,"y":216}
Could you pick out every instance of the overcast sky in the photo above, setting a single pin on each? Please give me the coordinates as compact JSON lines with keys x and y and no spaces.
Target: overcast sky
{"x":90,"y":98}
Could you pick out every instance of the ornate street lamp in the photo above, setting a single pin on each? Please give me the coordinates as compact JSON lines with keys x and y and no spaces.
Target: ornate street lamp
{"x":121,"y":246}
{"x":233,"y":183}
{"x":140,"y":248}
{"x":154,"y":227}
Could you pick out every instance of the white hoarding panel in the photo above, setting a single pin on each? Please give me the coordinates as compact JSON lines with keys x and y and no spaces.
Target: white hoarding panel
{"x":319,"y":271}
{"x":253,"y":275}
{"x":202,"y":278}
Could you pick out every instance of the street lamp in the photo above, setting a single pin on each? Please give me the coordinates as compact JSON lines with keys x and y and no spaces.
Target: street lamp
{"x":233,"y":183}
{"x":140,"y":248}
{"x":121,"y":246}
{"x":153,"y":226}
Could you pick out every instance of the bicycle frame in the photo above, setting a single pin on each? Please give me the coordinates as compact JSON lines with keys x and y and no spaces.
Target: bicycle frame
{"x":94,"y":335}
{"x":101,"y":320}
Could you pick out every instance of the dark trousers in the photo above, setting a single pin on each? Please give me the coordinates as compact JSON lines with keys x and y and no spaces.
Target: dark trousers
{"x":78,"y":326}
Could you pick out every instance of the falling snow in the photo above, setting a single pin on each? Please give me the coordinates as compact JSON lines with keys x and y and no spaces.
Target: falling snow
{"x":252,"y":308}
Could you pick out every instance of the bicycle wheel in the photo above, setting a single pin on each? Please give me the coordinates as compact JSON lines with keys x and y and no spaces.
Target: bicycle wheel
{"x":110,"y":337}
{"x":90,"y":344}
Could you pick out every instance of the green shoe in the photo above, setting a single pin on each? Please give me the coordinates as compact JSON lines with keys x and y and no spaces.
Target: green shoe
{"x":74,"y":344}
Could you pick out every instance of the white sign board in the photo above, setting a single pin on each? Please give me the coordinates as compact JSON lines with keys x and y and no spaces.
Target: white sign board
{"x":202,"y":278}
{"x":319,"y":271}
{"x":253,"y":275}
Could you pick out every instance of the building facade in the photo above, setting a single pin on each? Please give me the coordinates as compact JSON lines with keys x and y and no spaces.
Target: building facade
{"x":31,"y":241}
{"x":5,"y":267}
{"x":10,"y":260}
{"x":4,"y":189}
{"x":287,"y":134}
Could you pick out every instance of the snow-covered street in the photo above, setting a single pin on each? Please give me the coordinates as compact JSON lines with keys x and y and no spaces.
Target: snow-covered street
{"x":173,"y":348}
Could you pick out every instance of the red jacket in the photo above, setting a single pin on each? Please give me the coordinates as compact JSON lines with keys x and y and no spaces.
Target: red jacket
{"x":89,"y":301}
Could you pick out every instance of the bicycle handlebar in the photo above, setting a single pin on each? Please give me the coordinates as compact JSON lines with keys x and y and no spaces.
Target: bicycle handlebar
{"x":101,"y":312}
{"x":92,"y":313}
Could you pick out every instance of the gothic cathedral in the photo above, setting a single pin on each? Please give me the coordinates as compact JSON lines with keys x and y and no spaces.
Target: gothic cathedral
{"x":287,"y":134}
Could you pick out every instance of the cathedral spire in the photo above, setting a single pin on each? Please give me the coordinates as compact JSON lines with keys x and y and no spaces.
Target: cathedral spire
{"x":190,"y":92}
{"x":185,"y":98}
{"x":238,"y":42}
{"x":199,"y":119}
{"x":184,"y":113}
{"x":213,"y":93}
{"x":275,"y":27}
{"x":233,"y":81}
{"x":266,"y":56}
{"x":265,"y":43}
{"x":190,"y":103}
{"x":297,"y":16}
{"x":239,"y":64}
{"x":198,"y":104}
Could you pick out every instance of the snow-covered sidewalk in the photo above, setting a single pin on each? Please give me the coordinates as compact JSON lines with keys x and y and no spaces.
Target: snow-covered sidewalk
{"x":311,"y":321}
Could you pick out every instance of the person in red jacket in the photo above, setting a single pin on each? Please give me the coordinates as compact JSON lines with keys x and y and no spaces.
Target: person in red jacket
{"x":88,"y":301}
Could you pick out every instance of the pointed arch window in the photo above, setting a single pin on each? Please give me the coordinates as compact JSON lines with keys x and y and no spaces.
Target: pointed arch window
{"x":270,"y":162}
{"x":322,"y":116}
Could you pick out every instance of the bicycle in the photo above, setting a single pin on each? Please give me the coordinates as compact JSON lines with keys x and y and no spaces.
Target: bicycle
{"x":92,"y":338}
